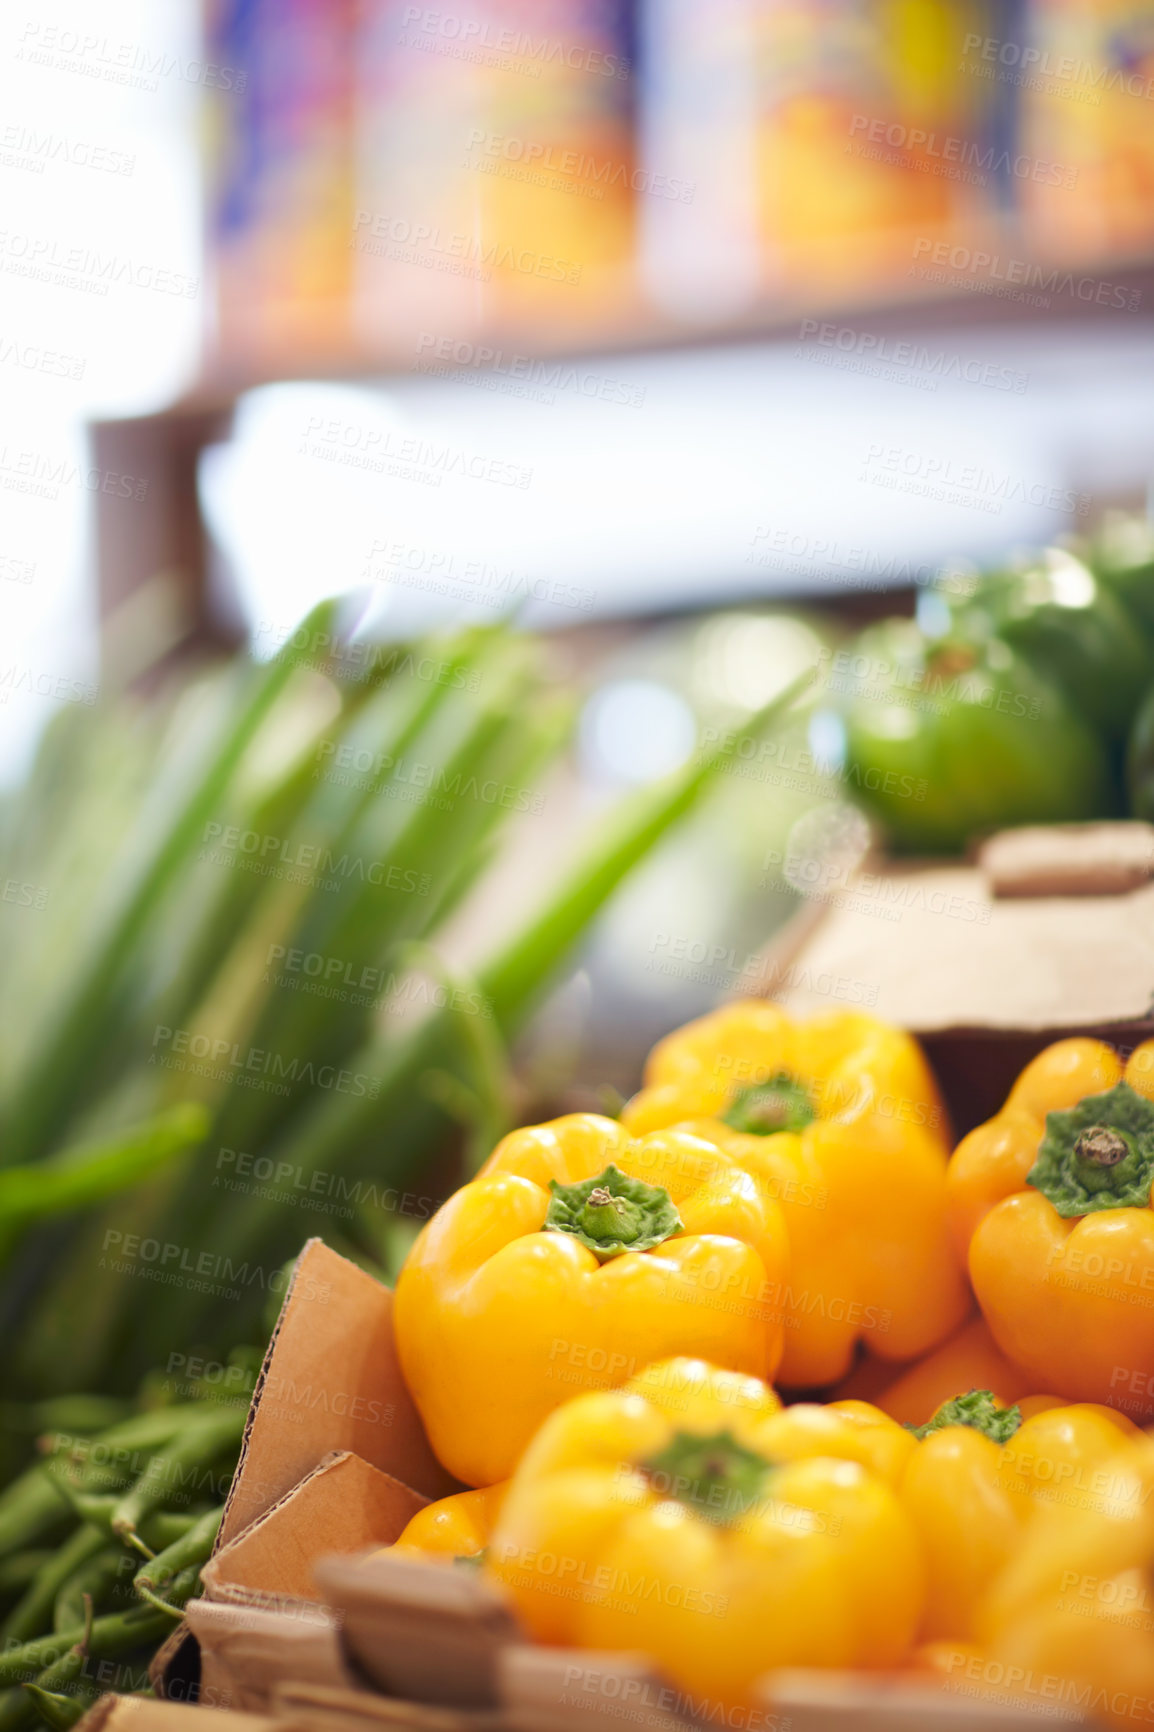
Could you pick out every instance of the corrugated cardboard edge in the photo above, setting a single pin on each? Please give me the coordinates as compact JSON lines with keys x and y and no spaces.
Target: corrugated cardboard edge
{"x":349,"y":1365}
{"x":175,"y":1667}
{"x":443,"y":1636}
{"x":323,"y":1286}
{"x":428,"y":1632}
{"x":566,"y":1690}
{"x":174,"y":1670}
{"x":810,"y":1701}
{"x":957,"y":957}
{"x":984,"y":988}
{"x":317,"y":1708}
{"x":246,"y":1652}
{"x":1107,"y":858}
{"x":305,"y":1525}
{"x":141,"y":1714}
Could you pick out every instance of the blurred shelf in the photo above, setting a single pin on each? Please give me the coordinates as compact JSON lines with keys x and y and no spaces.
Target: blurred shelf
{"x":165,"y":533}
{"x":633,"y":326}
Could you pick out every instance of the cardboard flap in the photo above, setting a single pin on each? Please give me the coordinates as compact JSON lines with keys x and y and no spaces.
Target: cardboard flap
{"x":432,"y":1632}
{"x":868,"y":1702}
{"x":313,"y":1708}
{"x":246,"y":1651}
{"x":174,"y":1670}
{"x":342,"y":1506}
{"x":330,"y":1381}
{"x":566,"y":1690}
{"x":1069,"y":859}
{"x":140,"y":1714}
{"x":934,"y":950}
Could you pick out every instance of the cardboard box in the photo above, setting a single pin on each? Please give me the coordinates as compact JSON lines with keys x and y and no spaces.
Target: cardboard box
{"x":301,"y":1624}
{"x":978,"y":961}
{"x":138,"y":1714}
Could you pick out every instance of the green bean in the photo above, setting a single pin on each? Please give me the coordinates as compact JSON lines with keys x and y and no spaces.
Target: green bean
{"x":95,"y":1578}
{"x":98,"y":1508}
{"x":30,"y":1509}
{"x":33,"y":1613}
{"x":110,"y":1637}
{"x":58,"y":1711}
{"x":142,"y":1431}
{"x":181,"y":1586}
{"x":87,"y":1506}
{"x":20,"y":1708}
{"x":164,"y":1526}
{"x":116,"y":1457}
{"x":32,"y":1502}
{"x":189,"y":1552}
{"x":198,"y":1446}
{"x":84,"y":1413}
{"x":18,"y":1570}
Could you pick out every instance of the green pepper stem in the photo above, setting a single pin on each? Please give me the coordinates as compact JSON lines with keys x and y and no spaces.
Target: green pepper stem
{"x":612,"y":1213}
{"x":716,"y":1476}
{"x":1101,"y":1146}
{"x":979,"y":1410}
{"x":783,"y":1103}
{"x":1098,"y":1154}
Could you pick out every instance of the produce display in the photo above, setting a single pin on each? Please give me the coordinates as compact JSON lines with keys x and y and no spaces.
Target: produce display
{"x":162,"y":816}
{"x":1023,"y":694}
{"x":968,"y":1480}
{"x":636,"y":1490}
{"x":596,"y":1332}
{"x":762,"y":1373}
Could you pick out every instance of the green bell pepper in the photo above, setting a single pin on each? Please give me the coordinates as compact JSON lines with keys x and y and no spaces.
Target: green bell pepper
{"x":1072,"y":629}
{"x":950,"y":737}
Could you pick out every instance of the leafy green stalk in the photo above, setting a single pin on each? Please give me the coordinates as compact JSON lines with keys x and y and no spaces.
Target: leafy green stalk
{"x":43,"y":1100}
{"x":385,"y":1133}
{"x":82,"y":1176}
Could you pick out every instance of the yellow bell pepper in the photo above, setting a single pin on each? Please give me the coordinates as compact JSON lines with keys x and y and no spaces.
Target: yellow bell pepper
{"x":840,"y":1117}
{"x":1069,"y":1622}
{"x":978,"y":1475}
{"x":969,"y":1478}
{"x":578,"y":1256}
{"x":686,"y":1517}
{"x":454,"y":1527}
{"x":1051,"y":1201}
{"x":969,"y":1359}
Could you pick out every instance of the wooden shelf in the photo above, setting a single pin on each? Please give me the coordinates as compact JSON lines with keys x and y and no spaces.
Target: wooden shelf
{"x":136,"y":539}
